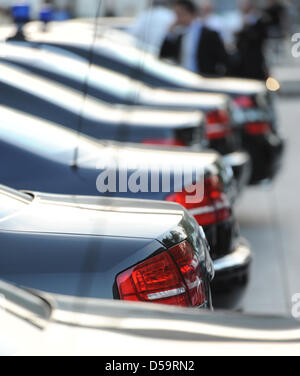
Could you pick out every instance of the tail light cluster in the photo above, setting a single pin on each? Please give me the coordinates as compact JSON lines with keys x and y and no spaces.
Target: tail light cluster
{"x":218,"y":125}
{"x":173,"y":277}
{"x":215,"y":206}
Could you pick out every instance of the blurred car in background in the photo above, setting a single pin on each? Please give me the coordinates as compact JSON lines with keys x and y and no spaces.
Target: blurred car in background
{"x":43,"y":156}
{"x":54,"y":102}
{"x":100,"y":120}
{"x":119,"y":180}
{"x":254,"y":112}
{"x":35,"y":323}
{"x":104,"y":248}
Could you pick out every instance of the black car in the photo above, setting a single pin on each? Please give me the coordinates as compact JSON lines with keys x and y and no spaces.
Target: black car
{"x":104,"y":248}
{"x":254,"y":110}
{"x":58,"y":103}
{"x":43,"y":156}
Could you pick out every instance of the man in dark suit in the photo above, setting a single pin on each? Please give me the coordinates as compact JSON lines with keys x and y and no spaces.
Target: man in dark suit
{"x":250,"y":42}
{"x":194,"y":46}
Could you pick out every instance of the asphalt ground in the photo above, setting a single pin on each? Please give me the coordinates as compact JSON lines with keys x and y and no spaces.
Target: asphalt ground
{"x":270,"y":220}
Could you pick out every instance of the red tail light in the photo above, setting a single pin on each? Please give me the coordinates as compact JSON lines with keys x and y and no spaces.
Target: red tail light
{"x":174,"y":277}
{"x":244,"y":102}
{"x":166,"y":142}
{"x":256,"y":129}
{"x":215,"y":206}
{"x":218,"y":125}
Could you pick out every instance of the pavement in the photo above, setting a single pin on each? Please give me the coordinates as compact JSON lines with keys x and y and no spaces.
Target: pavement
{"x":269,"y":219}
{"x":286,"y":69}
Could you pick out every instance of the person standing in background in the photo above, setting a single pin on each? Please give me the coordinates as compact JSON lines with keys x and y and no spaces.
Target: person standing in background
{"x":193,"y":45}
{"x":152,"y":26}
{"x":250,"y":61}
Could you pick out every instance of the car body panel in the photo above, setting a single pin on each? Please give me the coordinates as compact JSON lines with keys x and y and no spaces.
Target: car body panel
{"x":122,"y":123}
{"x":45,"y":161}
{"x":122,"y":57}
{"x":79,"y":215}
{"x":78,"y":245}
{"x":57,"y":103}
{"x":112,"y":87}
{"x":34,"y":326}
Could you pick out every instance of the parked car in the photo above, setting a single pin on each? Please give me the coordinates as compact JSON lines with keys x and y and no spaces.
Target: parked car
{"x":62,"y":105}
{"x":38,"y":324}
{"x":43,"y":156}
{"x":104,"y":248}
{"x":254,"y":112}
{"x":106,"y":85}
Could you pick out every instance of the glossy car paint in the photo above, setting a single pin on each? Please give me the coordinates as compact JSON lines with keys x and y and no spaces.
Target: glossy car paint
{"x":64,"y":106}
{"x":107,"y":86}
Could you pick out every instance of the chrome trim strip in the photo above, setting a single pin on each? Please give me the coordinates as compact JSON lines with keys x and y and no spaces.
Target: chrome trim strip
{"x":242,"y":256}
{"x":167,"y":294}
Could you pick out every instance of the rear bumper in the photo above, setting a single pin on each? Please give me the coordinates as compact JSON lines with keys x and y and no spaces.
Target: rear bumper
{"x":232,"y":276}
{"x":266,"y":153}
{"x":240,"y":162}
